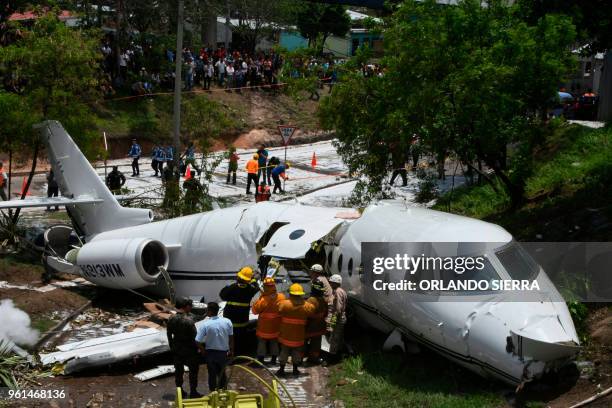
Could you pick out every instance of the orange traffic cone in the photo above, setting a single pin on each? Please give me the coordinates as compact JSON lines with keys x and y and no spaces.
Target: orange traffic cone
{"x":23,"y":187}
{"x":188,"y":173}
{"x":313,"y":162}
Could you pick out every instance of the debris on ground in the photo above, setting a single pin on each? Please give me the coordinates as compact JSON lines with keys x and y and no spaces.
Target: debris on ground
{"x":157,"y":372}
{"x":102,"y":351}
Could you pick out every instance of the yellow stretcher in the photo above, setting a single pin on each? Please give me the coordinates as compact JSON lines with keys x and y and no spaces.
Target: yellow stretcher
{"x":230,"y":399}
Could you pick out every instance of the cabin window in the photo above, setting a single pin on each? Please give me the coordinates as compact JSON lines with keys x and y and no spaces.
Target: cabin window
{"x":340,"y":264}
{"x":296,"y":234}
{"x":350,"y":267}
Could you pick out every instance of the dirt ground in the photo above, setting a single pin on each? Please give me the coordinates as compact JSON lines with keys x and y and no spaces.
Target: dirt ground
{"x":117,"y":387}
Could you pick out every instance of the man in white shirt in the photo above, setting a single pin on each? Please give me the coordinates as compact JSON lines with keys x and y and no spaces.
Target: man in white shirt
{"x":216,"y":339}
{"x":220,"y":65}
{"x":230,"y":76}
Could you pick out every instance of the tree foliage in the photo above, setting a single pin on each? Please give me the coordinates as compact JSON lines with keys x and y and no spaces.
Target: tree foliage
{"x":469,"y":80}
{"x":52,"y":73}
{"x":317,"y":21}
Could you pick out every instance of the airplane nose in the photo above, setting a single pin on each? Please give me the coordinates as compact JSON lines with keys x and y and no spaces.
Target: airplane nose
{"x":544,"y":339}
{"x":545,"y":328}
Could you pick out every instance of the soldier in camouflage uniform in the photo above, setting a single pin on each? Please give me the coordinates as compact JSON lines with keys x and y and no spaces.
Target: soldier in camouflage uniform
{"x":181,"y":333}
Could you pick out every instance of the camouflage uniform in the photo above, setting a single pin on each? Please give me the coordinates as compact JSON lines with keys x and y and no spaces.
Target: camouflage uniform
{"x":181,"y":333}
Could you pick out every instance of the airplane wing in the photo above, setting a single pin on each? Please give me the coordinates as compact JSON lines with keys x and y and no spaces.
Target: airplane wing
{"x":44,"y":202}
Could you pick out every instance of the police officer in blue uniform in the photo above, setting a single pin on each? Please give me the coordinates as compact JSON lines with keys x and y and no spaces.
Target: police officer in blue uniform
{"x":134,"y":153}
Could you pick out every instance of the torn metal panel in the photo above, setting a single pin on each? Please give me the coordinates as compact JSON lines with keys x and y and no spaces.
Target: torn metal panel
{"x":107,"y":350}
{"x":156,"y":372}
{"x":12,"y":347}
{"x":293,"y":241}
{"x":526,"y":347}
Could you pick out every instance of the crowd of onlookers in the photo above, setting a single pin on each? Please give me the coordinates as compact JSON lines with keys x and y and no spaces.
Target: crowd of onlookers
{"x":229,"y":69}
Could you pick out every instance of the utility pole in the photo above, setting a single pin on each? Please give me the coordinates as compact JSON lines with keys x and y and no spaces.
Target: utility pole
{"x":227,"y":25}
{"x":177,"y":83}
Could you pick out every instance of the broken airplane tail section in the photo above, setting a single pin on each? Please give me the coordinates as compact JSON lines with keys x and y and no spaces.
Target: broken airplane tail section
{"x":91,"y":205}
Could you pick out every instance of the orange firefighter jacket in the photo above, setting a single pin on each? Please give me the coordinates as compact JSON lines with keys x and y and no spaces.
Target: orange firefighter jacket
{"x":294,"y":313}
{"x":252,"y":166}
{"x":315,"y":324}
{"x":268,"y":323}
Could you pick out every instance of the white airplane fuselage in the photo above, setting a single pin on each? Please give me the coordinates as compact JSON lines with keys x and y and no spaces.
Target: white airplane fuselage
{"x":207,"y":249}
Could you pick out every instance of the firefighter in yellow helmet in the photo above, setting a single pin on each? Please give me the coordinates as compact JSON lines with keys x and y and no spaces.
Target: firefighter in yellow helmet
{"x":238,"y":297}
{"x":294,"y":314}
{"x":268,"y":322}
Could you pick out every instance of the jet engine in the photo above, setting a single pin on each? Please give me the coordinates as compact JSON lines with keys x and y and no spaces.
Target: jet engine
{"x":120,"y":263}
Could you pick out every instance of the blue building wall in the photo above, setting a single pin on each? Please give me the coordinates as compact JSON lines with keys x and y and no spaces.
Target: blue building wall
{"x":292,"y":40}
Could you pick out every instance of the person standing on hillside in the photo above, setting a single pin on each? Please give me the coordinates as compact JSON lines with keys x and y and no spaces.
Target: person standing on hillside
{"x":209,"y":73}
{"x":3,"y":183}
{"x":134,"y":153}
{"x":278,"y":173}
{"x":190,"y":159}
{"x":52,"y":188}
{"x":220,"y":65}
{"x":115,"y":180}
{"x":252,"y":167}
{"x":232,"y":166}
{"x":262,"y":161}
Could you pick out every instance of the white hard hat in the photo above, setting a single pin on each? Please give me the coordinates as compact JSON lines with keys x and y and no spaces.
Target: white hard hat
{"x":335,"y":278}
{"x":316,"y":268}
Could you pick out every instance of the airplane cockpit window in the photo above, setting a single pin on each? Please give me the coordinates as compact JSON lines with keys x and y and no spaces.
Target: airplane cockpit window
{"x":519,"y":264}
{"x":350,"y":267}
{"x":340,"y":264}
{"x":487,"y":273}
{"x":329,"y":258}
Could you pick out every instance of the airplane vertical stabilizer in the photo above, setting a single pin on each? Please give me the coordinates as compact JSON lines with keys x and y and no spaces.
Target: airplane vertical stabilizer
{"x":77,"y":178}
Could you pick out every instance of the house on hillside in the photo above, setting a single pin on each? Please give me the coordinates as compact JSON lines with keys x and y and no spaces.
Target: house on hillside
{"x":28,"y":17}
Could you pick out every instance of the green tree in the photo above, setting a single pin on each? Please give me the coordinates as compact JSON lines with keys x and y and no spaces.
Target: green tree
{"x":469,"y":80}
{"x":57,"y":70}
{"x":316,"y":22}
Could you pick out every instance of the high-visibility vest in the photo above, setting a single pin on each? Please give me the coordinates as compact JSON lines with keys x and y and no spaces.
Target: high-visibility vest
{"x":315,"y":324}
{"x":294,"y":314}
{"x":252,"y":167}
{"x":268,"y":322}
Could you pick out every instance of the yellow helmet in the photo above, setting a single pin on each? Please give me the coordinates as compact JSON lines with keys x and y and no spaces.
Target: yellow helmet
{"x":246,"y":274}
{"x":269,"y":281}
{"x":296,"y":289}
{"x":255,"y":156}
{"x":287,"y":165}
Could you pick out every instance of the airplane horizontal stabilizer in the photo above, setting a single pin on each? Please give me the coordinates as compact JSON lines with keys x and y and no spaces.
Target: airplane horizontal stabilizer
{"x":48,"y":202}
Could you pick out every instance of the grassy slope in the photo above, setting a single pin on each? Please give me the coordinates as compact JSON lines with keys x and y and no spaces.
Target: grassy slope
{"x":568,"y":194}
{"x":151,"y":118}
{"x":381,"y":380}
